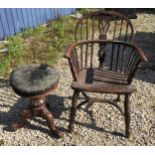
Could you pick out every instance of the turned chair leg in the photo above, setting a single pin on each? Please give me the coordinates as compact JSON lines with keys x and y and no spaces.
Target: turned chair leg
{"x":127,"y":115}
{"x":73,"y":110}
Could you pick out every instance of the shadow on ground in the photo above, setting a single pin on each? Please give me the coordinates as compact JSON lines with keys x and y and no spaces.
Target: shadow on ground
{"x":146,"y":10}
{"x":56,"y":106}
{"x":147,"y":42}
{"x":4,"y":83}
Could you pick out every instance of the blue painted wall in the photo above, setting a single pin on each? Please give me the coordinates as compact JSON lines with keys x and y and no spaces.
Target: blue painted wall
{"x":16,"y":20}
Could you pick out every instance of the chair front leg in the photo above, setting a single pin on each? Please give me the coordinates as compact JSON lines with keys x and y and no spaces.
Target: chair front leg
{"x":127,"y":115}
{"x":73,"y":110}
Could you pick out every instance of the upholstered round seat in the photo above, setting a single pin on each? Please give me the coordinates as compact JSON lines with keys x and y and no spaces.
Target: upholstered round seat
{"x":33,"y":80}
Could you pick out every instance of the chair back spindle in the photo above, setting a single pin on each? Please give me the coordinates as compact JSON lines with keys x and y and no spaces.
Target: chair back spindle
{"x":113,"y":25}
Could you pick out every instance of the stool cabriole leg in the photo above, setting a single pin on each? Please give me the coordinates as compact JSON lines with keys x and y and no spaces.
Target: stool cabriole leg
{"x":26,"y":114}
{"x":45,"y":113}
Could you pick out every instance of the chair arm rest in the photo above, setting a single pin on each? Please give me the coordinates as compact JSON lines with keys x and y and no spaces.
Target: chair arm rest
{"x":69,"y":50}
{"x":72,"y":60}
{"x":141,"y":53}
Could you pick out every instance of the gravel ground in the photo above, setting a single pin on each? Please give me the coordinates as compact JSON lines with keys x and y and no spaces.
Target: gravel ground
{"x":93,"y":127}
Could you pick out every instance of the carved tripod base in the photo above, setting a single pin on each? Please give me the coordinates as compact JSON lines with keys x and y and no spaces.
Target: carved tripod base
{"x":38,"y":108}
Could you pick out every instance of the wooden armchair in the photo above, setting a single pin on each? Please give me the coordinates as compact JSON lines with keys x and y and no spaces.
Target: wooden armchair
{"x":113,"y":77}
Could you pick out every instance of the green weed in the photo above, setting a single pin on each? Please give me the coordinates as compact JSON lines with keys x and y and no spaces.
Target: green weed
{"x":43,"y":44}
{"x":1,"y":142}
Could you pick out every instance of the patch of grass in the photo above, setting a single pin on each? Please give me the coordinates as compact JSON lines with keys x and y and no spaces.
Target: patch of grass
{"x":11,"y":59}
{"x":43,"y":44}
{"x":87,"y":10}
{"x":62,"y":32}
{"x":1,"y":142}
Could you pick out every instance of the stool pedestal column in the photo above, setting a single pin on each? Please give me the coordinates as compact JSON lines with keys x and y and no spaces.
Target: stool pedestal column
{"x":38,"y":108}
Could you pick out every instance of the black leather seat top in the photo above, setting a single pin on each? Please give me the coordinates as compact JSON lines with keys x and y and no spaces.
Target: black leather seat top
{"x":34,"y":79}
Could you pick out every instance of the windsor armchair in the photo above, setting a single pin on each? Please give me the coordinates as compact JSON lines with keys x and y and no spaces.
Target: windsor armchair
{"x":113,"y":77}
